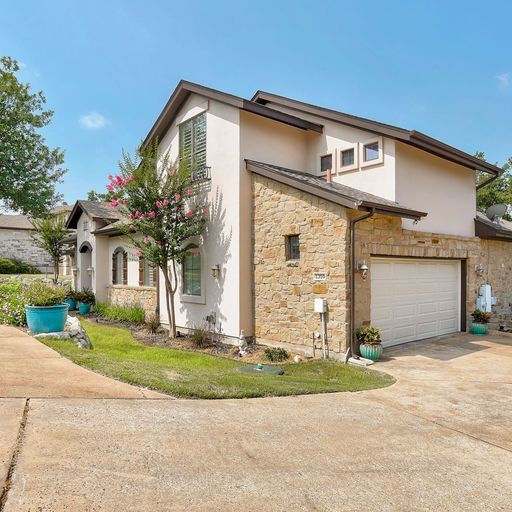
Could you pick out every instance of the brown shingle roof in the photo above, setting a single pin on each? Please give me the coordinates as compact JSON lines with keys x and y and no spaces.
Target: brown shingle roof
{"x":94,"y":209}
{"x":15,"y":222}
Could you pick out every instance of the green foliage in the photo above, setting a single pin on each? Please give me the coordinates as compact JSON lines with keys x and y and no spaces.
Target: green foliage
{"x":499,"y":191}
{"x":12,"y":303}
{"x":133,"y":314}
{"x":369,"y":335}
{"x":480,"y":317}
{"x":85,"y":296}
{"x":201,"y":337}
{"x":29,"y":170}
{"x":192,"y":374}
{"x":7,"y":266}
{"x":40,"y":294}
{"x":50,"y":234}
{"x":153,"y":324}
{"x":276,"y":354}
{"x":13,"y":266}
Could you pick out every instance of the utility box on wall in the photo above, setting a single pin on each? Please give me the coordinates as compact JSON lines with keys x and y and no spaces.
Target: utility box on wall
{"x":320,"y":305}
{"x":485,"y":300}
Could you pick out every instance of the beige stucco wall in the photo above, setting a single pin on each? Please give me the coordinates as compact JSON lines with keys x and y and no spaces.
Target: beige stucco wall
{"x":444,"y":190}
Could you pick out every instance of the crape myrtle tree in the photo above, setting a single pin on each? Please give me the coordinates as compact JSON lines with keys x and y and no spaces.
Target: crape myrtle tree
{"x":162,"y":209}
{"x":50,"y":234}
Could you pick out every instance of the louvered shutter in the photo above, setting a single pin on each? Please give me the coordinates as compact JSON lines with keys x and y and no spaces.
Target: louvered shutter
{"x":125,"y":267}
{"x":199,"y":142}
{"x":114,"y":267}
{"x":155,"y":276}
{"x":141,"y":271}
{"x":186,"y":143}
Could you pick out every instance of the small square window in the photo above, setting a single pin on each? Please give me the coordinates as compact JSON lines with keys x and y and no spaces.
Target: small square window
{"x":347,"y":157}
{"x":325,"y":163}
{"x":86,"y":226}
{"x":371,"y":151}
{"x":292,"y":247}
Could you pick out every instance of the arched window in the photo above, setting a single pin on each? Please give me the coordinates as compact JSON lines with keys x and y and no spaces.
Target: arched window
{"x":119,"y":266}
{"x":192,"y":271}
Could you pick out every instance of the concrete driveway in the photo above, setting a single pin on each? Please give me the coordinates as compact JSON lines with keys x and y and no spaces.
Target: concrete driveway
{"x":439,"y":439}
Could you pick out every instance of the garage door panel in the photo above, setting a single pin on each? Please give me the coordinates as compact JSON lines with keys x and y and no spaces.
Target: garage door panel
{"x":414,"y":299}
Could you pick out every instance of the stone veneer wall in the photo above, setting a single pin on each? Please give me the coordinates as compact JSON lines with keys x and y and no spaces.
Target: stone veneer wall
{"x":121,"y":295}
{"x":384,"y":236}
{"x":18,"y":244}
{"x":284,"y":291}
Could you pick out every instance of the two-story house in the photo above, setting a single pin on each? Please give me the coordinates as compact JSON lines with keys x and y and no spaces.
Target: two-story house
{"x":311,"y":203}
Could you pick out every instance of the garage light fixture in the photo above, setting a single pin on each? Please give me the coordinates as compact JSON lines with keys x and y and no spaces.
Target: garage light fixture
{"x":363,"y":269}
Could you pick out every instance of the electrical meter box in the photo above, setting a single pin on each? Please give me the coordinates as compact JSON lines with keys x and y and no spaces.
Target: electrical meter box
{"x":320,"y":305}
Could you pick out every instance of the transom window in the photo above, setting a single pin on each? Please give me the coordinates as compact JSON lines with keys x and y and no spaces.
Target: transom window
{"x":193,"y":142}
{"x":292,"y":247}
{"x":371,"y":151}
{"x":325,"y":163}
{"x":192,"y":271}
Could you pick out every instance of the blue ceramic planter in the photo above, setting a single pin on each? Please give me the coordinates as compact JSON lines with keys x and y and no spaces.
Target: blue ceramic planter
{"x":479,"y":328}
{"x":41,"y":319}
{"x":372,"y":352}
{"x":71,"y":303}
{"x":84,"y":308}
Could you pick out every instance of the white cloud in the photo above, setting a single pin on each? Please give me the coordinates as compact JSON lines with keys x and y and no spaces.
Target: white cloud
{"x":504,"y":80}
{"x":93,"y":121}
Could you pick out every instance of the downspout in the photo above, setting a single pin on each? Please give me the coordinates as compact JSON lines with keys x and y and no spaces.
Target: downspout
{"x":352,"y":329}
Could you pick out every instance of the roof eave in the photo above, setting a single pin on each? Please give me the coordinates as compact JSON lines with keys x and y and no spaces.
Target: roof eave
{"x":484,"y":230}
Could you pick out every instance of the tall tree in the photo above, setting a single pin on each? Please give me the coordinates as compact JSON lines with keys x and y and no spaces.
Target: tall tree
{"x":50,"y":234}
{"x":29,"y":169}
{"x":498,"y":191}
{"x":162,"y":208}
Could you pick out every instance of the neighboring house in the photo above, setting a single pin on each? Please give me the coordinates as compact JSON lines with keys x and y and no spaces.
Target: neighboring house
{"x":16,"y":242}
{"x":290,"y":184}
{"x":106,"y":262}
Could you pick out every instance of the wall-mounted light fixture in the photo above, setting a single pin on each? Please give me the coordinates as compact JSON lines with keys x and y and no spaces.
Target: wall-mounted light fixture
{"x":363,"y":269}
{"x":90,"y":270}
{"x":479,"y":269}
{"x":216,"y":271}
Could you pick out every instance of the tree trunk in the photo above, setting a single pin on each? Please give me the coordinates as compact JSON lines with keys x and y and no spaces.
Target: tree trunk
{"x":169,"y":302}
{"x":56,"y":271}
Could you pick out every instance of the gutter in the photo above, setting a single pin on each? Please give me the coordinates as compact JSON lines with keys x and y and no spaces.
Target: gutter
{"x":352,"y":331}
{"x":487,"y":182}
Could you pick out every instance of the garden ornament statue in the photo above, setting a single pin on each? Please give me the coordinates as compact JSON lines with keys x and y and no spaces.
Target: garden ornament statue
{"x":242,"y":344}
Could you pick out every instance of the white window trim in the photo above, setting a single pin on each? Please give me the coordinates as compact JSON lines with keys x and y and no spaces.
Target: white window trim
{"x":319,"y":162}
{"x":193,"y":112}
{"x":352,"y":167}
{"x":194,"y":299}
{"x":376,"y":161}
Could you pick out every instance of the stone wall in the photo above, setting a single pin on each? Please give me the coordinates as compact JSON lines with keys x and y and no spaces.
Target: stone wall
{"x":284,"y":291}
{"x":121,"y":295}
{"x":18,"y":244}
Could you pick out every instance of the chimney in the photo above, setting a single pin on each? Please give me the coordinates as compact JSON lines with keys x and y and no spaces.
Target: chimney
{"x":329,"y":176}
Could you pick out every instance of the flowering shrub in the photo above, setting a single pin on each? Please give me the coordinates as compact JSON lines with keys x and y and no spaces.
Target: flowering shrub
{"x":12,"y":303}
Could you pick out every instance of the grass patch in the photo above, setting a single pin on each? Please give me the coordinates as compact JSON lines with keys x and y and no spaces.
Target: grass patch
{"x":196,"y":375}
{"x":133,"y":314}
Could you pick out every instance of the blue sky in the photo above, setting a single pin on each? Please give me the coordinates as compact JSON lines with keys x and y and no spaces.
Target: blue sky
{"x":108,"y":67}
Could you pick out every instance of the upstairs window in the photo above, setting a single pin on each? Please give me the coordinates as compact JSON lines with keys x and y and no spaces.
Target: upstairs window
{"x":193,"y":142}
{"x":371,"y":152}
{"x":292,"y":247}
{"x":86,"y":225}
{"x":192,"y":271}
{"x":326,"y":163}
{"x":347,"y":157}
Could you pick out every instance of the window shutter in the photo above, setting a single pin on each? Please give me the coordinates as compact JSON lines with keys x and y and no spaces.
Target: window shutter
{"x":155,"y":275}
{"x":186,"y":143}
{"x":125,"y":267}
{"x":141,"y":271}
{"x":114,"y":267}
{"x":199,"y":142}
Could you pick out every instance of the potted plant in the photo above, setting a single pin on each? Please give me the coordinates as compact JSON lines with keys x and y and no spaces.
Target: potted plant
{"x":370,"y":344}
{"x":85,"y":300}
{"x":71,"y":299}
{"x":480,"y":319}
{"x":45,"y":308}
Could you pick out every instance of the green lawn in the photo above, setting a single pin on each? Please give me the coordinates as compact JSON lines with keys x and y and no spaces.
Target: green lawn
{"x":196,"y":375}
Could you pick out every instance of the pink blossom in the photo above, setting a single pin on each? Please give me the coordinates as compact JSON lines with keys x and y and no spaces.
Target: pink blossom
{"x":189,"y":192}
{"x":110,"y":187}
{"x":137,"y":214}
{"x":177,"y":197}
{"x":157,"y":242}
{"x":138,"y":253}
{"x":189,"y":214}
{"x":152,"y":215}
{"x":114,"y":202}
{"x":158,"y":204}
{"x":146,"y":240}
{"x":132,"y":216}
{"x":110,"y":177}
{"x":196,"y":252}
{"x":165,"y":202}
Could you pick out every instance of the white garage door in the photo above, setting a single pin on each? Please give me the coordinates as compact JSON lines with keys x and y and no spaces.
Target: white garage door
{"x":413,"y":299}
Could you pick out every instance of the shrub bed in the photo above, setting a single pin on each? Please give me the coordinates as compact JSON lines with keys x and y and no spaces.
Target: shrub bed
{"x":14,"y":266}
{"x":133,"y":314}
